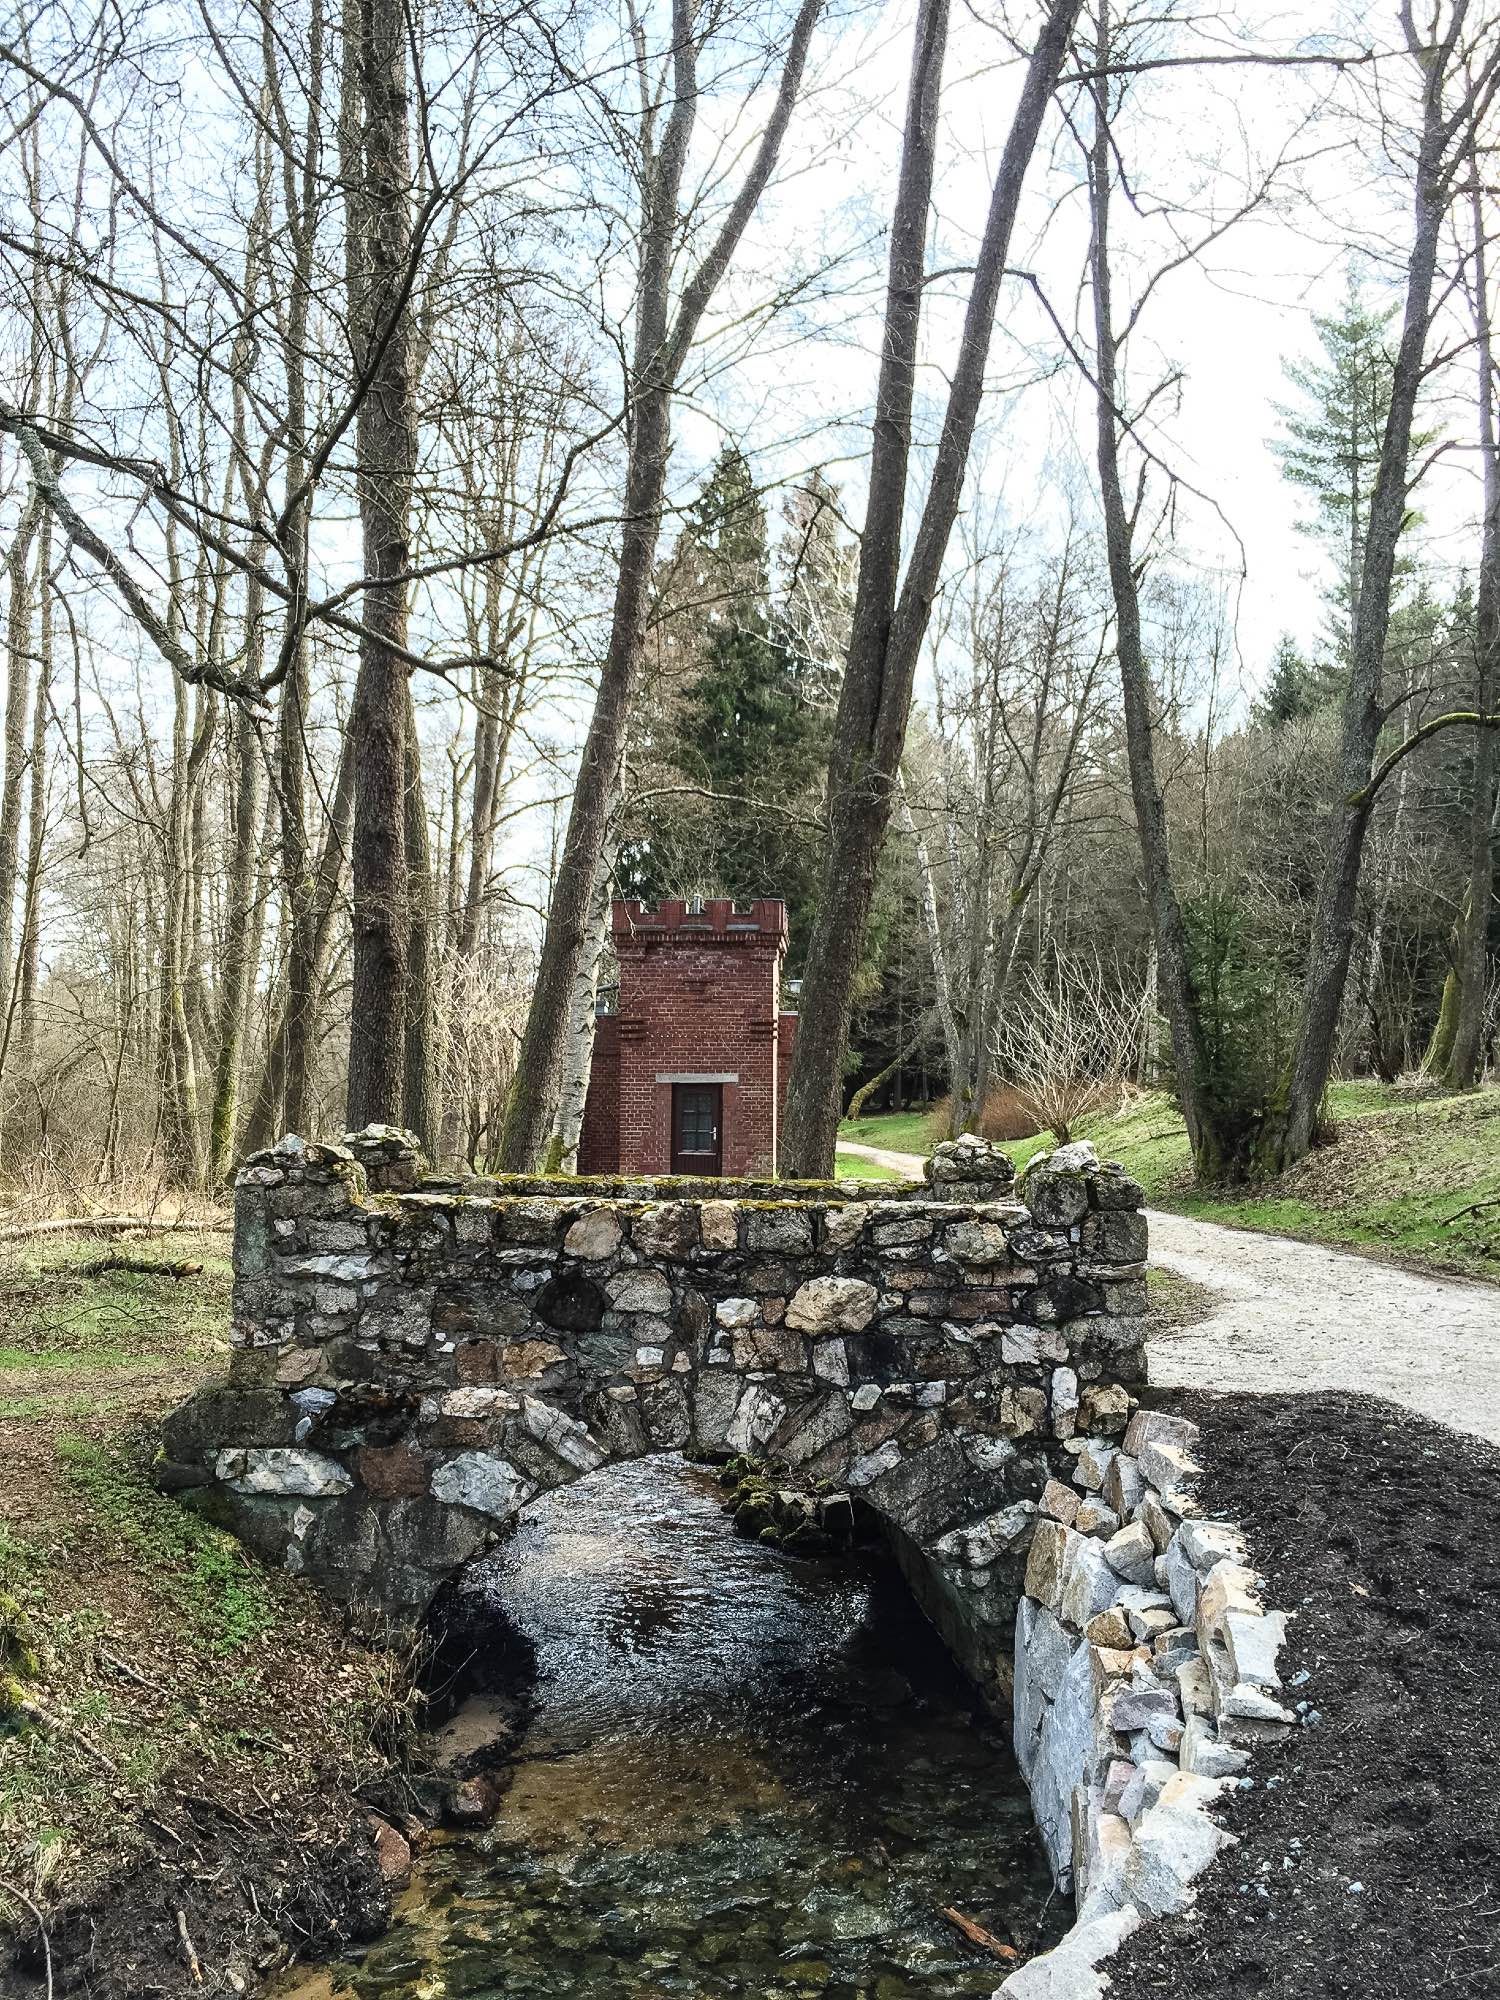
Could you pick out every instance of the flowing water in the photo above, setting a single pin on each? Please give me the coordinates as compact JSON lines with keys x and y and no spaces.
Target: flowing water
{"x":744,"y":1774}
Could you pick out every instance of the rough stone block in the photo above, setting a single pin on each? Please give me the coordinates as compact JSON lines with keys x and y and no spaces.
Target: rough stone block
{"x":832,"y":1305}
{"x":282,"y":1470}
{"x":594,"y":1236}
{"x":1047,"y":1563}
{"x":1071,"y":1970}
{"x":1089,"y":1584}
{"x":719,"y":1225}
{"x":1131,"y":1554}
{"x":1155,"y":1427}
{"x":1174,"y":1842}
{"x":483,"y":1482}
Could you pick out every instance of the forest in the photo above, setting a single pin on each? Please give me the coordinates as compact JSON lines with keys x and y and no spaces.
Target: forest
{"x":1023,"y":487}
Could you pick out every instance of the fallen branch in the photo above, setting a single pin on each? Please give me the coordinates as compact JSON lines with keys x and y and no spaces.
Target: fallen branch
{"x":144,"y":1267}
{"x":131,"y":1673}
{"x":36,"y":1916}
{"x":977,"y":1934}
{"x":108,"y":1225}
{"x":1473,"y":1209}
{"x":49,"y":1724}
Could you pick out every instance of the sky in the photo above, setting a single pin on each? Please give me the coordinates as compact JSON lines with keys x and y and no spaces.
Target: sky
{"x":1228,"y":324}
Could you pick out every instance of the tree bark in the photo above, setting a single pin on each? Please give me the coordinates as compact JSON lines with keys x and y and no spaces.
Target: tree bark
{"x":17,"y":719}
{"x":1169,"y":933}
{"x":1292,"y":1122}
{"x":237,"y":970}
{"x":423,"y":1112}
{"x":380,"y":232}
{"x":578,"y":1057}
{"x":887,"y":631}
{"x":273,"y":1098}
{"x":1470,"y":965}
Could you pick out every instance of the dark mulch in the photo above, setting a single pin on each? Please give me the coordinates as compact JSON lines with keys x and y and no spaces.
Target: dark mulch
{"x":1369,"y":1843}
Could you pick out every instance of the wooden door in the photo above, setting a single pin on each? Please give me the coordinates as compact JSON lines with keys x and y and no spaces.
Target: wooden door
{"x":697,"y":1128}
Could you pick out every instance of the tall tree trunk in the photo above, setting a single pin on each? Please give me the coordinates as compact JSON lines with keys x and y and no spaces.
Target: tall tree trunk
{"x":17,"y":719}
{"x":1290,"y":1127}
{"x":1472,"y":958}
{"x":176,"y":1058}
{"x":380,"y":232}
{"x":887,"y":632}
{"x":958,"y":1094}
{"x":1173,"y":964}
{"x":661,"y":345}
{"x":236,"y":973}
{"x":578,"y":1057}
{"x":274,"y":1090}
{"x":423,"y":1110}
{"x":28,"y":976}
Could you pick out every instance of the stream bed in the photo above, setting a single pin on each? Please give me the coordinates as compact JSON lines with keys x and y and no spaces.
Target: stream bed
{"x":744,"y":1774}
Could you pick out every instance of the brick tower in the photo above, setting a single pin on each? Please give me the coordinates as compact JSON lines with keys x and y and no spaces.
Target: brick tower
{"x":690,"y":1069}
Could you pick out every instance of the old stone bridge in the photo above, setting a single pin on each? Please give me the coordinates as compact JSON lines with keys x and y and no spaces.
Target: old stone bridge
{"x":414,"y":1359}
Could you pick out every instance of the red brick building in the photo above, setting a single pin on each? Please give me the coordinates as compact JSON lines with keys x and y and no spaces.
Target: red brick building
{"x":690,"y":1068}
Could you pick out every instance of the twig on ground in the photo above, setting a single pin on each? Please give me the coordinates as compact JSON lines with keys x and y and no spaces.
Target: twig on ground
{"x":195,"y":1964}
{"x":1473,"y":1208}
{"x":26,"y":1902}
{"x":132,"y":1673}
{"x":145,"y":1267}
{"x":54,"y":1725}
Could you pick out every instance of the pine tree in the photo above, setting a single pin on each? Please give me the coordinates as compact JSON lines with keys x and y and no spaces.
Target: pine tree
{"x":1294,"y":688}
{"x":1333,"y":441}
{"x":736,"y":748}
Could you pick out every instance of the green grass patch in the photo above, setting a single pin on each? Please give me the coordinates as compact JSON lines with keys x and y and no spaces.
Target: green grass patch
{"x":222,"y":1594}
{"x":62,"y":1306}
{"x":899,"y":1131}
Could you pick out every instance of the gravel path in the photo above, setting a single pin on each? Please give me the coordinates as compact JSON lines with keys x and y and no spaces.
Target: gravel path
{"x":1299,"y":1316}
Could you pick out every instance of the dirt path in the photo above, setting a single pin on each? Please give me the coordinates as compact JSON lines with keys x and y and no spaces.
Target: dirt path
{"x":1298,"y":1316}
{"x":907,"y":1164}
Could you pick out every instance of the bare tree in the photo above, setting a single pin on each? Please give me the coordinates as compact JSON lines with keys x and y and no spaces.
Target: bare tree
{"x":891,"y":612}
{"x":1068,"y":1039}
{"x":663,"y":335}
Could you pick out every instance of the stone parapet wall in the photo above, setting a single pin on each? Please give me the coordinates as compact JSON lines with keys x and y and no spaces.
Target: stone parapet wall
{"x":413,"y":1363}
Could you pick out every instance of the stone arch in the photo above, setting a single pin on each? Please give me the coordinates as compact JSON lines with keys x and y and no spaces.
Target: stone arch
{"x":414,"y":1360}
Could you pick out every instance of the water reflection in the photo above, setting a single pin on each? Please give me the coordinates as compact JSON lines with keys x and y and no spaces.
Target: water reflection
{"x":744,"y":1775}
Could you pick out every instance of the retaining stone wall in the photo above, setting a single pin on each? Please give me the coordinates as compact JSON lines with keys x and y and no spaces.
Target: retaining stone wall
{"x":1145,"y":1674}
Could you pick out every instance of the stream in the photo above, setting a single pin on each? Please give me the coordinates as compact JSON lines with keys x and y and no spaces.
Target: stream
{"x":744,"y":1774}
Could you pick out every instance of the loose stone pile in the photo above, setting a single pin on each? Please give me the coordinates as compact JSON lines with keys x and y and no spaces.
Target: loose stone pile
{"x":1145,"y":1674}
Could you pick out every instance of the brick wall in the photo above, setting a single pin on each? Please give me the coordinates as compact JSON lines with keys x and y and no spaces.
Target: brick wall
{"x":700,"y":995}
{"x":599,"y":1141}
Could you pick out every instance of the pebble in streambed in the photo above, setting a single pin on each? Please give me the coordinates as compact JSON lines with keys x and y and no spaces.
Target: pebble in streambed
{"x":745,"y":1774}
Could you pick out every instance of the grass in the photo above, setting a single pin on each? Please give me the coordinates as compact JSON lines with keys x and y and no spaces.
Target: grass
{"x":1393,"y":1182}
{"x":168,"y":1662}
{"x":900,"y":1131}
